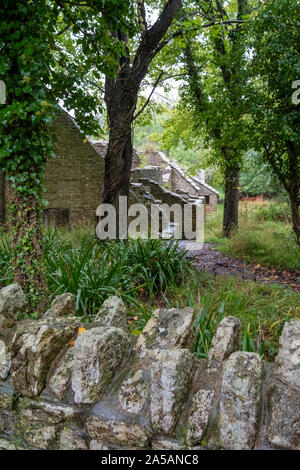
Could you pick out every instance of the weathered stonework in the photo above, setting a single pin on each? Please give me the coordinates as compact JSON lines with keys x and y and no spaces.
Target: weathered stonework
{"x":97,"y":355}
{"x":35,"y":344}
{"x":118,"y":433}
{"x":225,"y":342}
{"x":113,"y":313}
{"x":70,"y":439}
{"x":168,"y":329}
{"x":178,"y":181}
{"x":171,"y":374}
{"x":240,"y":400}
{"x":86,"y":388}
{"x":288,"y":359}
{"x":40,"y":422}
{"x":134,"y":393}
{"x":199,"y":414}
{"x":5,"y":360}
{"x":74,"y":178}
{"x":62,"y":306}
{"x":12,"y":301}
{"x":60,"y":379}
{"x":284,"y":427}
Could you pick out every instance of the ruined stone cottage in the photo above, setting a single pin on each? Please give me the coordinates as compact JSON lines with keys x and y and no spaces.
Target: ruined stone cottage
{"x":74,"y":178}
{"x":178,"y":181}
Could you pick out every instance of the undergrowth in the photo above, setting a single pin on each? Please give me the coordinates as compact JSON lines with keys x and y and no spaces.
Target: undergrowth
{"x":264,"y":235}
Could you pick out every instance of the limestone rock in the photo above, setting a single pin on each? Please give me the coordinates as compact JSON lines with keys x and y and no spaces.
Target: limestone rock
{"x":283,"y":431}
{"x":240,"y":399}
{"x":162,"y":443}
{"x":5,"y":361}
{"x":10,"y":445}
{"x":149,"y":333}
{"x":6,"y":401}
{"x":6,"y":323}
{"x":71,"y":440}
{"x":96,"y":445}
{"x":168,"y":329}
{"x":7,"y":423}
{"x":45,"y":412}
{"x":288,"y":359}
{"x":60,"y":379}
{"x":225,"y":341}
{"x":112,"y":313}
{"x":35,"y":344}
{"x":133,"y":393}
{"x":42,"y":437}
{"x":7,"y":415}
{"x":198,"y":416}
{"x":38,"y":421}
{"x":12,"y":301}
{"x":171,"y":374}
{"x":97,"y":355}
{"x":120,"y":433}
{"x":62,"y":306}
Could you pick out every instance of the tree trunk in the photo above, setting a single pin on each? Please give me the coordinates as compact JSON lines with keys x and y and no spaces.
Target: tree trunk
{"x":2,"y":198}
{"x":294,"y":187}
{"x":231,"y":202}
{"x":27,"y":259}
{"x":121,"y":103}
{"x":295,"y":203}
{"x":121,"y":98}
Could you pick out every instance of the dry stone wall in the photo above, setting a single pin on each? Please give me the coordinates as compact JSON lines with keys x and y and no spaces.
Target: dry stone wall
{"x":69,"y":385}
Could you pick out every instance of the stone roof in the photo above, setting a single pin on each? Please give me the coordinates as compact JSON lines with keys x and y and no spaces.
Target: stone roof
{"x":101,"y":148}
{"x":201,"y":183}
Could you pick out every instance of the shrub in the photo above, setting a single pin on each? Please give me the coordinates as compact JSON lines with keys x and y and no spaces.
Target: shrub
{"x":274,"y":212}
{"x":94,"y":270}
{"x":265,"y":246}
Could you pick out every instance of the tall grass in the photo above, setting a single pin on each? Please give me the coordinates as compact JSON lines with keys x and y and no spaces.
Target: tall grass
{"x":205,"y":326}
{"x":261,"y":308}
{"x":264,"y":235}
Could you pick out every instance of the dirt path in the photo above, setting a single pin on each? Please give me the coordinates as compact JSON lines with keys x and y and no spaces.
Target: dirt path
{"x":212,"y":261}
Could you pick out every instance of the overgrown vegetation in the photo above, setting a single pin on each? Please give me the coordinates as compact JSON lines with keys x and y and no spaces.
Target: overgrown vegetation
{"x":148,"y":274}
{"x":264,"y":236}
{"x":92,"y":271}
{"x":262,"y":309}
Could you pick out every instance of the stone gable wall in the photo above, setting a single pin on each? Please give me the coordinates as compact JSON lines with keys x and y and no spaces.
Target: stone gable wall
{"x":74,"y":178}
{"x":155,"y":158}
{"x":69,"y":385}
{"x":178,"y":181}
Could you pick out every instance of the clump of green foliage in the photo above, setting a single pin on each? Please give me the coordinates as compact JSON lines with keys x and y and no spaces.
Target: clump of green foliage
{"x":135,"y":270}
{"x":205,"y":326}
{"x":264,"y":235}
{"x":261,"y":308}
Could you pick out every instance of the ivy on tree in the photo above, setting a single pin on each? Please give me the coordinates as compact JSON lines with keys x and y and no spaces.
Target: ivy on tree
{"x":39,"y":67}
